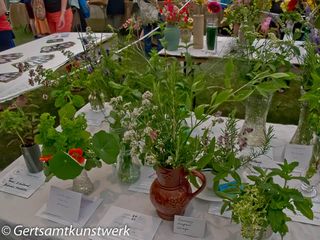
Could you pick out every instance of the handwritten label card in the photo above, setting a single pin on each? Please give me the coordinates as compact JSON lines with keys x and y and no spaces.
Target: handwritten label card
{"x":64,"y":203}
{"x":299,"y":153}
{"x":190,"y":226}
{"x":20,"y":182}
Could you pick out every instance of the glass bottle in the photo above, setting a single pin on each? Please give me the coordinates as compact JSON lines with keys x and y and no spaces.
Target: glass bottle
{"x":212,"y":32}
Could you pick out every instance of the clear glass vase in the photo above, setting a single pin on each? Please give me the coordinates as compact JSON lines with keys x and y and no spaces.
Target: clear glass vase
{"x":254,"y":126}
{"x":313,"y":172}
{"x":185,"y":35}
{"x":303,"y":133}
{"x":96,"y":101}
{"x":83,"y":184}
{"x":127,"y":169}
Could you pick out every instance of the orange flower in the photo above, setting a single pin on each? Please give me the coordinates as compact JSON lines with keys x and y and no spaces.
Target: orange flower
{"x":45,"y":158}
{"x":77,"y":154}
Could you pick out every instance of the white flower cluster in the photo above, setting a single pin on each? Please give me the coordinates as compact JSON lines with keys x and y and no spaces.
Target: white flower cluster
{"x":131,"y":120}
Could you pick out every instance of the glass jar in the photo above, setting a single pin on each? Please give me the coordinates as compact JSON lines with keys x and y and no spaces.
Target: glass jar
{"x":303,"y":133}
{"x":96,"y":101}
{"x":313,"y":171}
{"x":127,"y":169}
{"x":83,"y":184}
{"x":254,"y":126}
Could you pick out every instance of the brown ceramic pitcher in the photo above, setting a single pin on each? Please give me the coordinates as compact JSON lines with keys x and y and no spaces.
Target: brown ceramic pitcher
{"x":171,"y":192}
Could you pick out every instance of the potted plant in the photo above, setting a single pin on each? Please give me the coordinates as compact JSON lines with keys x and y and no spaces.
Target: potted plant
{"x":260,"y":206}
{"x":24,"y":125}
{"x":186,"y":25}
{"x":172,"y":17}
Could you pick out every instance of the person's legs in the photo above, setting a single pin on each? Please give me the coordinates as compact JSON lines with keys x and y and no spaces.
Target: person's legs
{"x":83,"y":21}
{"x":53,"y":21}
{"x":117,"y":21}
{"x":147,"y":41}
{"x":6,"y":40}
{"x":158,"y":37}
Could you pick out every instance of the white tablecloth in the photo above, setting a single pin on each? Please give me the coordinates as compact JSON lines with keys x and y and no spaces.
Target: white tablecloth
{"x":16,"y":210}
{"x":20,"y":85}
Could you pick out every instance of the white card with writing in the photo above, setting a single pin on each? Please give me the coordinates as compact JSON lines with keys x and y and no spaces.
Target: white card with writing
{"x":299,"y":153}
{"x":20,"y":182}
{"x":194,"y":227}
{"x":138,"y":225}
{"x":87,"y":209}
{"x":144,"y":183}
{"x":64,"y":203}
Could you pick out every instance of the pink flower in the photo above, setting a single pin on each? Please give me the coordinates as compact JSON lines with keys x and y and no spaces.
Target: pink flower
{"x":265,"y":24}
{"x":214,"y":7}
{"x":153,"y":135}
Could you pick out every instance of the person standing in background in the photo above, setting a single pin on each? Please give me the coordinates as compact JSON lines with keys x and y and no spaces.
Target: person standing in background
{"x":115,"y":12}
{"x":31,"y":16}
{"x":59,"y":15}
{"x":79,"y":23}
{"x":149,"y":26}
{"x":6,"y":34}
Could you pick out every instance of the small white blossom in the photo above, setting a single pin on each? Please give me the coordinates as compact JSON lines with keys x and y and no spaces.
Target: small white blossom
{"x":147,"y":95}
{"x":136,"y":112}
{"x":169,"y":160}
{"x":147,"y":130}
{"x":150,"y":160}
{"x":129,"y":135}
{"x":126,"y":105}
{"x":146,"y":102}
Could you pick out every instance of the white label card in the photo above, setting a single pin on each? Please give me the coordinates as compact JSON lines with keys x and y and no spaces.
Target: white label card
{"x":64,"y":203}
{"x":190,"y":226}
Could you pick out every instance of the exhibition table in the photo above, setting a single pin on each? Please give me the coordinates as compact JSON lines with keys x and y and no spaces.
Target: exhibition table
{"x":225,"y":46}
{"x":15,"y":210}
{"x":45,"y":51}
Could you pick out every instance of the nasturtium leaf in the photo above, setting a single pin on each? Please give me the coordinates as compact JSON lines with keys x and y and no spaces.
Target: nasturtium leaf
{"x":106,"y":146}
{"x":64,"y":167}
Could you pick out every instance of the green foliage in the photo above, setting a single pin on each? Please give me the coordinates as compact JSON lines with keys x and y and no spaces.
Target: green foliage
{"x":262,"y":203}
{"x":57,"y":142}
{"x":20,"y":123}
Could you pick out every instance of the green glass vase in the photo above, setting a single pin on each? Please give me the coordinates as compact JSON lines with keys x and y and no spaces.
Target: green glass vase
{"x":172,"y":37}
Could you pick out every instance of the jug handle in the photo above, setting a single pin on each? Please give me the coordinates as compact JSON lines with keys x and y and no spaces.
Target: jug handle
{"x":201,"y":176}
